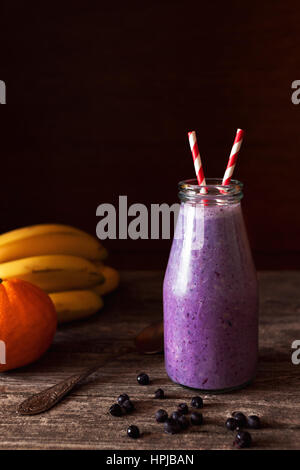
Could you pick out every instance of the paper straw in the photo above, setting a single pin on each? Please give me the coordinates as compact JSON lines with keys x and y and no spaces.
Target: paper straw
{"x":233,"y":156}
{"x":197,"y":160}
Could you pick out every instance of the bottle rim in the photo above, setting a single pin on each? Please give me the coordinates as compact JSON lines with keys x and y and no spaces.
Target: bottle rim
{"x":212,"y":192}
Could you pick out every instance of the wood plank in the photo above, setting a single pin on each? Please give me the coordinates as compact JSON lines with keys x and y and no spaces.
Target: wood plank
{"x":82,"y":420}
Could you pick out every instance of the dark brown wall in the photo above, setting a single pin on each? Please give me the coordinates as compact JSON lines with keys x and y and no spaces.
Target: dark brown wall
{"x":101,"y":96}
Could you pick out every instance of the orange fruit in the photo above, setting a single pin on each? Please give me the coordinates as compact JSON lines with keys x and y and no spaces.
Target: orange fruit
{"x":28,"y":323}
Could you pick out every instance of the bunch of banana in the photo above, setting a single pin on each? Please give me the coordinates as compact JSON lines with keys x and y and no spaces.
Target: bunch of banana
{"x":64,"y":261}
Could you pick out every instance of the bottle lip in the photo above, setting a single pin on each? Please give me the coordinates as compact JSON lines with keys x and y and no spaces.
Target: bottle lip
{"x":212,"y":192}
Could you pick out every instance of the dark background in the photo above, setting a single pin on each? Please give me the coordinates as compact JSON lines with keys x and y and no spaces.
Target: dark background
{"x":100,"y":96}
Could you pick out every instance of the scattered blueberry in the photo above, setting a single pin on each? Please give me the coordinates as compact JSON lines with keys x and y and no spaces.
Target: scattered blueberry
{"x":183,"y":422}
{"x":133,"y":431}
{"x":240,"y":418}
{"x":128,"y":406}
{"x":231,"y":424}
{"x":171,"y":426}
{"x":159,"y":393}
{"x":161,"y":416}
{"x":175,"y":415}
{"x":115,"y":410}
{"x":243,"y":439}
{"x":197,"y":402}
{"x":253,"y":422}
{"x":143,"y":379}
{"x":196,"y":418}
{"x":183,"y":408}
{"x":122,"y":398}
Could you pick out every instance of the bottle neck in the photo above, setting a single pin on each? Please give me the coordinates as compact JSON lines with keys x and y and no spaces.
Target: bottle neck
{"x":213,"y":193}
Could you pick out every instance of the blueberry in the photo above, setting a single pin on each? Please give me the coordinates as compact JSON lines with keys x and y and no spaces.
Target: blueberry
{"x":143,"y":379}
{"x":115,"y":410}
{"x":253,"y":422}
{"x":196,"y":418}
{"x":240,"y":418}
{"x":183,"y":422}
{"x":171,"y":426}
{"x":197,"y":402}
{"x":231,"y":424}
{"x":161,"y":416}
{"x":133,"y":431}
{"x":159,"y":393}
{"x":183,"y":408}
{"x":122,"y":398}
{"x":128,"y":406}
{"x":243,"y":439}
{"x":175,"y":415}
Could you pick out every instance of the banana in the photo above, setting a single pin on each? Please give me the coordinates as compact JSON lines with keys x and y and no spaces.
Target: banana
{"x":33,"y":230}
{"x":53,"y":273}
{"x":111,"y":279}
{"x":76,"y":304}
{"x":74,"y":243}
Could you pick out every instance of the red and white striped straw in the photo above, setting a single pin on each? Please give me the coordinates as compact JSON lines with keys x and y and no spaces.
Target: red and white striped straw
{"x":233,"y":156}
{"x":197,"y":160}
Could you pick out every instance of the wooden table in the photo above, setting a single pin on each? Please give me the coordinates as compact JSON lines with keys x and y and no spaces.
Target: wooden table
{"x":82,"y":420}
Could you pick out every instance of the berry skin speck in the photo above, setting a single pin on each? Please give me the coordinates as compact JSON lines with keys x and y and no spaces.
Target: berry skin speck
{"x":128,"y":406}
{"x":115,"y":410}
{"x":243,"y":439}
{"x":197,"y":402}
{"x":133,"y":432}
{"x":171,"y":426}
{"x":175,"y":415}
{"x":240,"y":419}
{"x":123,"y":397}
{"x":183,"y":408}
{"x":253,"y":422}
{"x":161,"y":416}
{"x":231,"y":424}
{"x":196,"y":418}
{"x":159,"y":393}
{"x":143,"y":379}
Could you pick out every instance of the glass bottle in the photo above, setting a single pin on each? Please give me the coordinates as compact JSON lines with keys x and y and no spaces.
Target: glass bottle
{"x":210,"y":291}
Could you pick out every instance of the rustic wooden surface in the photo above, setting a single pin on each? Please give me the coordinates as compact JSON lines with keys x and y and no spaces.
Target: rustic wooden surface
{"x":82,"y":421}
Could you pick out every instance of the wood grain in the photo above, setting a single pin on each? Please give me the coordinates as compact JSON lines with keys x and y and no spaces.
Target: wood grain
{"x":82,"y":420}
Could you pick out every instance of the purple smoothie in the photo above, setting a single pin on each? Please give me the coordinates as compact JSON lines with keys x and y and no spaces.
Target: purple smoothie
{"x":210,"y":300}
